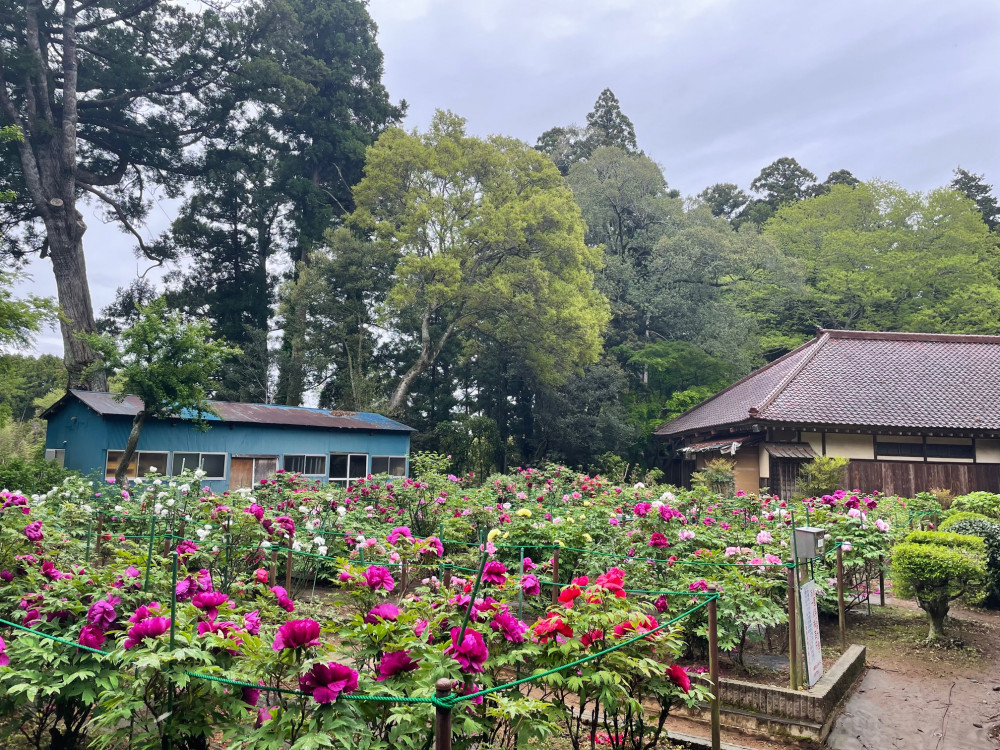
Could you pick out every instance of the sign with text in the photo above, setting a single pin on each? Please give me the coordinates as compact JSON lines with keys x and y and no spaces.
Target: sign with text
{"x":810,"y":626}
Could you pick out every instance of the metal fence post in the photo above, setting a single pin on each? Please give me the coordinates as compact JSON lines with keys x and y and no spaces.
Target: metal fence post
{"x":841,"y":612}
{"x":713,"y":667}
{"x":555,"y":576}
{"x":793,"y":647}
{"x":442,"y":716}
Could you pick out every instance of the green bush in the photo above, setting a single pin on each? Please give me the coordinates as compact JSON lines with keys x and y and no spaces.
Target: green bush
{"x":986,"y":503}
{"x":936,"y":574}
{"x":962,"y":515}
{"x":946,"y":539}
{"x":30,"y":477}
{"x":717,"y":476}
{"x":821,"y":476}
{"x":990,"y":533}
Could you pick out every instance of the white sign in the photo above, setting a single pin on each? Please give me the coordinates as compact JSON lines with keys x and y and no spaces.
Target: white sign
{"x":810,"y":627}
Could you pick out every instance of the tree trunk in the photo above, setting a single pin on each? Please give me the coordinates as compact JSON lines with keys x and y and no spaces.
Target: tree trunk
{"x":428,"y":354}
{"x":133,"y":441}
{"x":936,"y":609}
{"x":77,"y":312}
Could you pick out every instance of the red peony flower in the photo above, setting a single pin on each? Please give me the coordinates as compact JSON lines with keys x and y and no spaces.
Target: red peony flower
{"x":679,"y":676}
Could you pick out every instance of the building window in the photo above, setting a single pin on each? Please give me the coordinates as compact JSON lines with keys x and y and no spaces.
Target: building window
{"x":58,"y":455}
{"x":142,"y":462}
{"x":392,"y":465}
{"x":213,"y":464}
{"x":310,"y":466}
{"x":903,"y":450}
{"x":936,"y":450}
{"x":348,"y":467}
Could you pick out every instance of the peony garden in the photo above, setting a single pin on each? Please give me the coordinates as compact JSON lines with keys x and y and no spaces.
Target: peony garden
{"x":503,"y":612}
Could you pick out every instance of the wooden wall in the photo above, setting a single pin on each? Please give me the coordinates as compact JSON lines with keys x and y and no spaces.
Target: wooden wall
{"x":907,"y":478}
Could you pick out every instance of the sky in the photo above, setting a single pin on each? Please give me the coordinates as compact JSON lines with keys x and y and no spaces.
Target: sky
{"x":904,"y":90}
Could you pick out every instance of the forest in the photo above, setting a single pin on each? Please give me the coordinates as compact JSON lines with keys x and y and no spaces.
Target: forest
{"x":515,"y":303}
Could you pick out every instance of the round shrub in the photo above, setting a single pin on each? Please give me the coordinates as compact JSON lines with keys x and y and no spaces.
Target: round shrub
{"x":963,"y":515}
{"x":990,"y":534}
{"x":935,"y":573}
{"x":986,"y":503}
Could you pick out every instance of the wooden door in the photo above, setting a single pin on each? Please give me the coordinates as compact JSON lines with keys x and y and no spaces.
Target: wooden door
{"x":263,"y":467}
{"x":241,"y":473}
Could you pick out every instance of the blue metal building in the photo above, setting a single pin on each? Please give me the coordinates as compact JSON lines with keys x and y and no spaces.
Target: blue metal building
{"x":246,"y":442}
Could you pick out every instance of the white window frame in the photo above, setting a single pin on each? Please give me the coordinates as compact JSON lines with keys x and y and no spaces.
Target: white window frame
{"x":388,"y":464}
{"x":201,"y":455}
{"x":346,"y":481}
{"x":109,"y":473}
{"x":305,"y":462}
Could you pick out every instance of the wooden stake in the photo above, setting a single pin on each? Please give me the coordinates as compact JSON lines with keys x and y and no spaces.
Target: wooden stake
{"x":793,"y":646}
{"x":442,"y":716}
{"x":881,"y":580}
{"x":555,"y":576}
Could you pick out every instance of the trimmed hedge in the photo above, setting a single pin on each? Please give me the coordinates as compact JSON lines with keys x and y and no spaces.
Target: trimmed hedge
{"x":963,"y":515}
{"x":990,"y":533}
{"x":946,"y":539}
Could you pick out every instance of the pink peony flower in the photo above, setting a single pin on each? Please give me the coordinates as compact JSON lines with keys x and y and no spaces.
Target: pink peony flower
{"x":764,"y":537}
{"x":378,"y":577}
{"x":251,"y":622}
{"x":433,"y":543}
{"x":151,"y":627}
{"x":471,"y":653}
{"x":34,"y":531}
{"x":186,"y":547}
{"x":284,"y":601}
{"x":495,"y":572}
{"x":395,"y":663}
{"x":296,"y":634}
{"x":400,"y":532}
{"x":101,"y":614}
{"x":530,"y":585}
{"x":327,"y":681}
{"x":210,"y":601}
{"x":512,"y":628}
{"x":260,"y":575}
{"x":91,"y":636}
{"x":881,"y":525}
{"x":386,"y":611}
{"x":685,"y":535}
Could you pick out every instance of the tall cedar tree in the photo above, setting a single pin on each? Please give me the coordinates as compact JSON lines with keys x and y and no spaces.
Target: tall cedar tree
{"x":975,"y":188}
{"x":107,"y":94}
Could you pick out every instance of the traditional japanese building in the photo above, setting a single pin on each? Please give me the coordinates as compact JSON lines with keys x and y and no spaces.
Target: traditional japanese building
{"x":912,"y":412}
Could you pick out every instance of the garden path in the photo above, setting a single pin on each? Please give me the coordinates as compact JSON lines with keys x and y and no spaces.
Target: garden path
{"x":918,"y":698}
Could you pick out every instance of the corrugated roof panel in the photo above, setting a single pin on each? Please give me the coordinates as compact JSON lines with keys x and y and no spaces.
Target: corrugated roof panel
{"x":790,"y":450}
{"x":273,"y":414}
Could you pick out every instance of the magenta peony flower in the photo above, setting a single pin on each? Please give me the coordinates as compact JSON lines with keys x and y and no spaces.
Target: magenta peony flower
{"x":471,"y":653}
{"x":251,"y":696}
{"x":530,"y":585}
{"x":34,"y":531}
{"x":132,"y":572}
{"x":512,"y":628}
{"x":400,"y":532}
{"x":186,"y":547}
{"x":377,"y":577}
{"x":151,"y":627}
{"x":6,"y":576}
{"x":327,"y":681}
{"x":434,"y":543}
{"x":91,"y":636}
{"x":641,"y":509}
{"x":4,"y":659}
{"x":297,"y":634}
{"x":185,"y":589}
{"x":528,"y":565}
{"x":260,"y":575}
{"x":384,"y":611}
{"x":661,"y":604}
{"x":395,"y":663}
{"x":101,"y":614}
{"x":251,"y":622}
{"x":495,"y":572}
{"x":283,"y":599}
{"x":210,"y":601}
{"x":144,"y":612}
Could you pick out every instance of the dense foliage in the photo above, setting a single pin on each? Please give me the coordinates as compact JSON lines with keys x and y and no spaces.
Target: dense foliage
{"x":415,"y":564}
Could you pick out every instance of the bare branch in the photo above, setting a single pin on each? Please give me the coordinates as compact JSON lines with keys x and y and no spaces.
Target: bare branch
{"x":122,"y":216}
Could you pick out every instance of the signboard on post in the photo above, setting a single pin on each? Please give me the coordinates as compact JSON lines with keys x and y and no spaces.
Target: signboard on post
{"x":810,"y":626}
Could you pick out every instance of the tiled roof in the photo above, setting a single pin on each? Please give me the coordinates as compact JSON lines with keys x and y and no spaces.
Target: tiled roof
{"x":230,"y":411}
{"x":905,"y":380}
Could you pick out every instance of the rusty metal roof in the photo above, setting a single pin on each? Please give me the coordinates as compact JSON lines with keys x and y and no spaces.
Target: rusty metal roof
{"x":729,"y":446}
{"x":790,"y":450}
{"x":106,"y":404}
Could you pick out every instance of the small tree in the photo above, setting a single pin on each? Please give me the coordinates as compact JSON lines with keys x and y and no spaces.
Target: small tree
{"x":166,"y":361}
{"x":936,"y":568}
{"x":718,"y":476}
{"x":821,"y":476}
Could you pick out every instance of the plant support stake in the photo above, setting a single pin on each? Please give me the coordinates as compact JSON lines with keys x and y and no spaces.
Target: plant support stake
{"x":841,"y":613}
{"x":442,"y":716}
{"x":713,"y":667}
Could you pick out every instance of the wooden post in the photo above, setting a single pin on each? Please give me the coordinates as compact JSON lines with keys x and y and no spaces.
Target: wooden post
{"x":713,"y":669}
{"x":274,"y":568}
{"x":403,"y":579}
{"x":841,"y":612}
{"x":881,"y":580}
{"x":446,"y":576}
{"x":555,"y":576}
{"x":442,"y":716}
{"x":793,"y":646}
{"x":288,"y":572}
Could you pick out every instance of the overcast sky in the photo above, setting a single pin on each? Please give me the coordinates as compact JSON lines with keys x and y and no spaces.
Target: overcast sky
{"x":717,"y":89}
